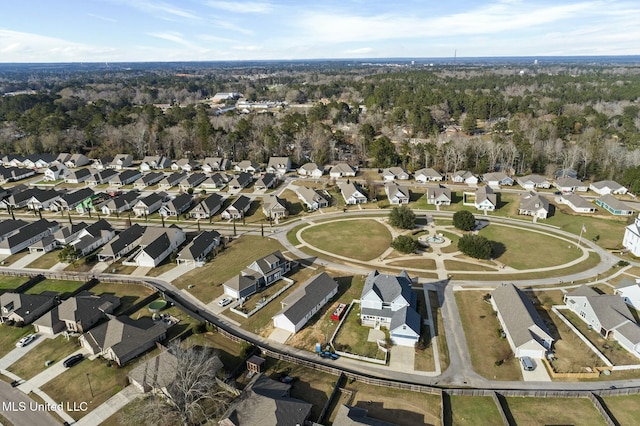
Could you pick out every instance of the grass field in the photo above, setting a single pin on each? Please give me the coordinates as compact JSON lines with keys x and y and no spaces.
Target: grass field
{"x":292,"y":235}
{"x":484,"y":344}
{"x":515,"y":246}
{"x":623,"y":408}
{"x":129,"y":294}
{"x":33,"y":361}
{"x":454,"y":265}
{"x":10,"y":260}
{"x":229,"y":352}
{"x":557,"y":411}
{"x":425,"y":263}
{"x":45,"y":261}
{"x":239,"y":254}
{"x":62,"y":287}
{"x":8,"y":283}
{"x":360,"y":239}
{"x":474,"y":410}
{"x":10,"y":335}
{"x":609,"y":230}
{"x":352,"y":337}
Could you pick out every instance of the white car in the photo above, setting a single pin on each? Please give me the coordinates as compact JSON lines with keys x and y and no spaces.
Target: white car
{"x":224,"y":302}
{"x":25,"y":340}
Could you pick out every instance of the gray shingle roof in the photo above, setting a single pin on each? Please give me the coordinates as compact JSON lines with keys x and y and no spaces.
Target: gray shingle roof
{"x":300,"y":302}
{"x":388,"y":287}
{"x":196,"y":248}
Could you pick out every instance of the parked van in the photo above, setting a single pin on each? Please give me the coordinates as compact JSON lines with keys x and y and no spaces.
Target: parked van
{"x":527,"y":363}
{"x":72,"y":360}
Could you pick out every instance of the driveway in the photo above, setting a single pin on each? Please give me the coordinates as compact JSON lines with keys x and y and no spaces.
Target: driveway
{"x":23,"y":262}
{"x":540,"y":374}
{"x":109,"y":407}
{"x":18,"y":353}
{"x":279,"y":335}
{"x":176,"y":272}
{"x":49,"y":374}
{"x":402,"y":359}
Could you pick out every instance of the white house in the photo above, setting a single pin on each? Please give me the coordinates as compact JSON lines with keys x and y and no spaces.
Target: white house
{"x":497,"y":179}
{"x":526,"y":332}
{"x":438,"y":195}
{"x":388,"y":301}
{"x":482,"y":199}
{"x":531,"y":182}
{"x":605,"y":187}
{"x":304,"y":302}
{"x":310,"y":170}
{"x":577,"y":203}
{"x":397,"y":194}
{"x":341,"y":170}
{"x":464,"y":176}
{"x":312,"y":198}
{"x":352,"y":194}
{"x":427,"y":175}
{"x":247,"y":166}
{"x":629,"y":290}
{"x":631,"y":239}
{"x":569,"y":184}
{"x":394,"y":173}
{"x":158,"y":243}
{"x":533,"y":204}
{"x":54,"y":173}
{"x":279,"y":165}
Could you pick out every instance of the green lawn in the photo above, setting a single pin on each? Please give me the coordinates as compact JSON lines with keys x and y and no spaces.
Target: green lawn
{"x":483,"y":342}
{"x":515,"y":246}
{"x":363,"y":239}
{"x":129,"y":294}
{"x":454,"y":265}
{"x":11,"y":259}
{"x":46,"y":261}
{"x":474,"y":410}
{"x":50,"y":350}
{"x":352,"y":337}
{"x":623,"y":408}
{"x":10,"y":335}
{"x":239,"y":254}
{"x":609,"y":230}
{"x":557,"y":411}
{"x":291,"y":236}
{"x":8,"y":283}
{"x":425,"y":263}
{"x":229,"y":352}
{"x":62,"y":287}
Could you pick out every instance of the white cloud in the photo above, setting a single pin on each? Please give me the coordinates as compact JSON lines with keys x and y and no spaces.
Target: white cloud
{"x":360,"y":51}
{"x":19,"y":46}
{"x":178,"y":38}
{"x":162,"y":9}
{"x":242,"y":6}
{"x":251,"y":48}
{"x":102,"y":18}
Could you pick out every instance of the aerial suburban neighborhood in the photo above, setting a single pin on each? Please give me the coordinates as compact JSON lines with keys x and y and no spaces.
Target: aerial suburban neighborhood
{"x":319,"y":243}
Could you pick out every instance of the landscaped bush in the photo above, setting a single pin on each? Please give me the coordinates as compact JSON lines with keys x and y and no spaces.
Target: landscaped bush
{"x":404,"y":244}
{"x":475,"y":246}
{"x":464,"y":220}
{"x":402,"y":217}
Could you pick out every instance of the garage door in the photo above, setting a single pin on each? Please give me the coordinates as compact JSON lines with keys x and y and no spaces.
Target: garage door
{"x":403,"y":341}
{"x":538,"y":354}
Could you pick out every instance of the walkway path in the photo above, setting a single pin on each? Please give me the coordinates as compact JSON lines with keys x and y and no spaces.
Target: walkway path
{"x":24,"y":261}
{"x":110,"y":407}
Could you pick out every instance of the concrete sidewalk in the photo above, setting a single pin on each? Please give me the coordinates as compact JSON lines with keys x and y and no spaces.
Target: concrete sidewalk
{"x":18,"y":353}
{"x":110,"y":407}
{"x":176,"y":272}
{"x":47,"y":375}
{"x":23,"y":262}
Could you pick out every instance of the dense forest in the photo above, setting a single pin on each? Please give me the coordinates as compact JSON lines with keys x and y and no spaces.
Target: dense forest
{"x":516,"y":118}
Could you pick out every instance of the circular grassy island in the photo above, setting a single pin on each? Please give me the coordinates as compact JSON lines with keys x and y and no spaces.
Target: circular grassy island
{"x":361,"y":239}
{"x":157,"y":305}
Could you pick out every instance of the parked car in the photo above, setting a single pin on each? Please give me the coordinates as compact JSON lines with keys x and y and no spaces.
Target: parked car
{"x":72,"y":360}
{"x":25,"y":340}
{"x":287,"y":379}
{"x":527,"y":363}
{"x":327,"y":354}
{"x":224,"y":302}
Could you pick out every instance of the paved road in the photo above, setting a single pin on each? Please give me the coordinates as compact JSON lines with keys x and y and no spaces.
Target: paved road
{"x":22,"y":411}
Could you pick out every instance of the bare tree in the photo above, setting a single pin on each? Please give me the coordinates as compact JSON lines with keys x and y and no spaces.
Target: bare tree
{"x":191,"y":396}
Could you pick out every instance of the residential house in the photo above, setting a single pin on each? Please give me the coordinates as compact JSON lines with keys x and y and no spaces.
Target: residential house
{"x":464,"y":176}
{"x":172,"y":180}
{"x":483,"y":199}
{"x":356,"y":416}
{"x":525,"y":330}
{"x":577,"y":203}
{"x":215,"y":182}
{"x":341,"y":170}
{"x":240,"y":181}
{"x":569,"y":184}
{"x":214,"y":164}
{"x":631,"y":239}
{"x":605,"y":187}
{"x":68,"y":233}
{"x":42,"y":199}
{"x":78,"y":176}
{"x":28,"y":235}
{"x":237,"y":209}
{"x":197,"y":250}
{"x":19,"y":197}
{"x":274,"y":207}
{"x":149,"y":204}
{"x":9,"y":227}
{"x":397,"y":194}
{"x":76,"y":160}
{"x":123,"y":244}
{"x":247,"y":166}
{"x":192,"y":181}
{"x":303,"y":303}
{"x":120,"y":203}
{"x":207,"y":207}
{"x":606,"y":314}
{"x":629,"y":290}
{"x":185,"y":165}
{"x":40,"y":161}
{"x":93,"y":236}
{"x":428,"y":175}
{"x":24,"y":308}
{"x":177,"y":205}
{"x":13,"y":160}
{"x":533,"y":204}
{"x":497,"y":179}
{"x":394,"y":173}
{"x":532,"y":182}
{"x":157,"y":244}
{"x":62,"y":158}
{"x":77,"y":314}
{"x":148,"y":179}
{"x":102,"y":163}
{"x":352,"y":194}
{"x":310,"y":170}
{"x":125,"y":177}
{"x":266,"y":181}
{"x":438,"y":195}
{"x":388,"y":301}
{"x":266,"y":402}
{"x":70,"y":200}
{"x":54,"y":173}
{"x":101,"y":177}
{"x":154,"y":162}
{"x":312,"y":198}
{"x":279,"y":165}
{"x":614,"y":206}
{"x":259,"y":274}
{"x":121,"y":338}
{"x":13,"y":174}
{"x":121,"y":161}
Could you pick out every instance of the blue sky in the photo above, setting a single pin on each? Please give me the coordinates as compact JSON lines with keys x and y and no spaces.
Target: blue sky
{"x":195,"y":30}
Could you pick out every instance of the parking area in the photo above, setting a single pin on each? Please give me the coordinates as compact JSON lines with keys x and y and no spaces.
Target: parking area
{"x":540,"y":373}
